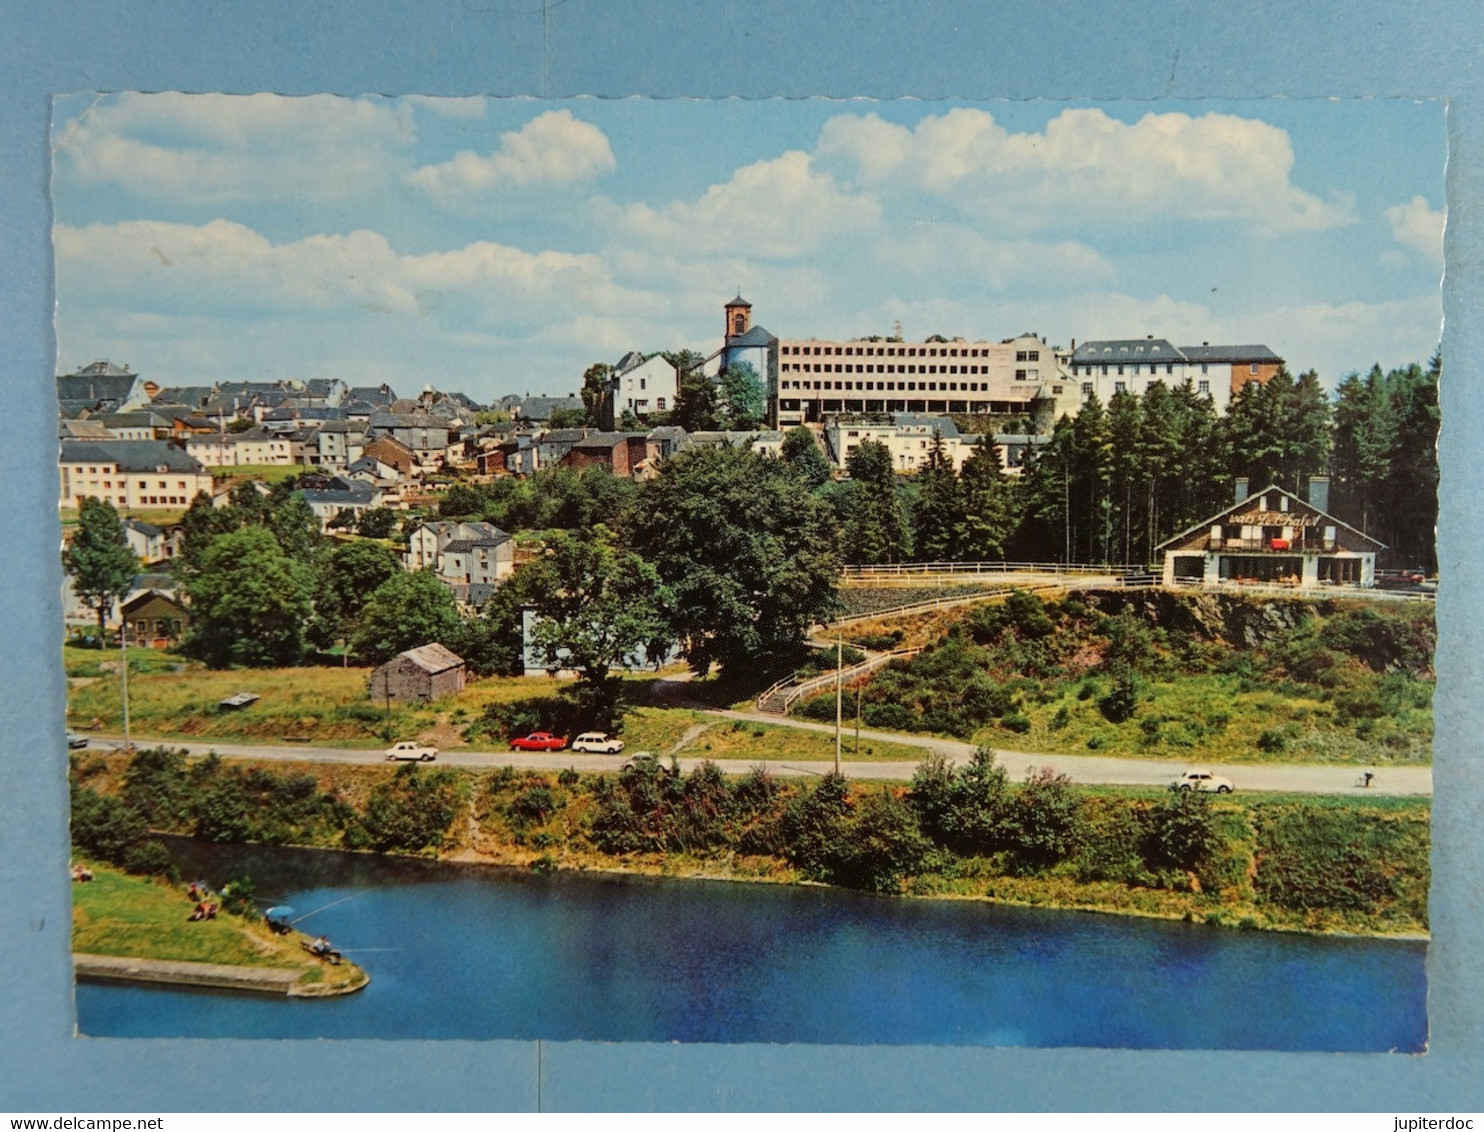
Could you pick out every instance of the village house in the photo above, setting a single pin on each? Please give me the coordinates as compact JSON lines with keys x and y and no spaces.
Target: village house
{"x":154,"y":620}
{"x":254,"y":446}
{"x":422,"y":434}
{"x":335,"y":445}
{"x":419,"y":675}
{"x":101,"y":387}
{"x":78,"y":614}
{"x":130,"y":474}
{"x":468,"y":558}
{"x":622,"y":453}
{"x":149,"y":543}
{"x":1272,"y":537}
{"x":342,"y":498}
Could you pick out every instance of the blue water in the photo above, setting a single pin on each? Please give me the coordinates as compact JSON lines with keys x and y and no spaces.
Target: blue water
{"x":470,"y":952}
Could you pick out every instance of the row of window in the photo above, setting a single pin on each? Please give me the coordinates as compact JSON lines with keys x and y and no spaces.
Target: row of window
{"x":1122,"y":387}
{"x":873,"y":351}
{"x":894,"y":386}
{"x":835,"y":367}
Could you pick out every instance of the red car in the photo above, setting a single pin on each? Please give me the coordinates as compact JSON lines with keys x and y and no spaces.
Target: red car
{"x":539,"y":741}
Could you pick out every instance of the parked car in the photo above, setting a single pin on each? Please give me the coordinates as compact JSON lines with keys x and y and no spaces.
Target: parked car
{"x":597,"y":743}
{"x":538,"y":741}
{"x":408,"y":751}
{"x":74,"y":740}
{"x":1203,"y":781}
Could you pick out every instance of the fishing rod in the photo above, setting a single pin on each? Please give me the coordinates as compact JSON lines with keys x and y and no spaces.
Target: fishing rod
{"x":331,"y":904}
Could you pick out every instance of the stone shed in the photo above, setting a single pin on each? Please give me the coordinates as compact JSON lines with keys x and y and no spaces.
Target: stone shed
{"x":418,"y":675}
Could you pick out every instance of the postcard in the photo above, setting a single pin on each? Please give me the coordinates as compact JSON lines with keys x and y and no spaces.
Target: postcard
{"x":835,"y":572}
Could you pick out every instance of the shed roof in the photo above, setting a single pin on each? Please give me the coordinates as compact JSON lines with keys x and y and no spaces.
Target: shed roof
{"x":433,"y":658}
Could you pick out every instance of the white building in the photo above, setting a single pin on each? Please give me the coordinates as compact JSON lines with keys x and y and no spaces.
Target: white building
{"x":130,"y":474}
{"x":643,"y":385}
{"x":1132,"y":365}
{"x":908,"y":437}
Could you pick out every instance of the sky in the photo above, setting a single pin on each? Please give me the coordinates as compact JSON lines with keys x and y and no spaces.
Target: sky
{"x":495,"y":246}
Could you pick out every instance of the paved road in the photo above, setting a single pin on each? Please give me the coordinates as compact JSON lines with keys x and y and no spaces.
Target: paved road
{"x":1087,"y":769}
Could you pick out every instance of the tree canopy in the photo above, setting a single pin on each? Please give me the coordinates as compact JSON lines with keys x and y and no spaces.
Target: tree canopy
{"x":408,"y":610}
{"x":98,"y":557}
{"x":250,"y":602}
{"x":747,"y":552}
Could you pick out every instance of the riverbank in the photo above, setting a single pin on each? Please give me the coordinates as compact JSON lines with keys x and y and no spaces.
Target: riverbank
{"x":1322,"y":864}
{"x":137,"y":929}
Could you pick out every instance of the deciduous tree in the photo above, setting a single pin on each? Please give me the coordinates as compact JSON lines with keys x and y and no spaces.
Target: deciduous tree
{"x":99,"y":559}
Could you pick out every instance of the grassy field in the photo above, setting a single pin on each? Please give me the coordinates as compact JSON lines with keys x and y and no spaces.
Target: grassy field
{"x":268,"y":473}
{"x":118,"y":914}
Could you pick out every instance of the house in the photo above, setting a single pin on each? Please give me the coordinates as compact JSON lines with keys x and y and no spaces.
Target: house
{"x":77,"y":613}
{"x":422,"y":434}
{"x":342,"y":496}
{"x":468,"y":558}
{"x":254,"y":446}
{"x":130,"y":474}
{"x":419,"y":675}
{"x":540,"y":409}
{"x":142,"y":424}
{"x":148,"y":542}
{"x":336,"y":445}
{"x":154,"y":620}
{"x":622,"y":453}
{"x":642,"y":385}
{"x":909,"y":437}
{"x":104,"y":387}
{"x":1274,"y":537}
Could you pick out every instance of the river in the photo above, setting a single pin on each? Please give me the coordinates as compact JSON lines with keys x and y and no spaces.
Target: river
{"x":458,"y":951}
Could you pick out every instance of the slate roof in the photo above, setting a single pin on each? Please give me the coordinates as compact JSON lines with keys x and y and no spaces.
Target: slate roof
{"x":433,"y":658}
{"x":85,"y":430}
{"x":193,"y":396}
{"x":148,"y":530}
{"x":143,"y":418}
{"x":382,"y":395}
{"x":1230,"y":354}
{"x":756,"y":336}
{"x":95,"y":387}
{"x":541,"y":408}
{"x":129,"y":455}
{"x":944,"y":425}
{"x":1123,"y":350}
{"x":356,"y":494}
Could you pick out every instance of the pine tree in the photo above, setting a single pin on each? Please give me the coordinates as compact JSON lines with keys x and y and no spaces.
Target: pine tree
{"x":877,"y":528}
{"x":938,"y":517}
{"x":988,"y":504}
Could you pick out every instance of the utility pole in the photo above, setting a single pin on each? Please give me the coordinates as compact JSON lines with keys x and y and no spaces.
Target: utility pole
{"x":839,"y":659}
{"x":857,"y":721}
{"x":124,"y":671}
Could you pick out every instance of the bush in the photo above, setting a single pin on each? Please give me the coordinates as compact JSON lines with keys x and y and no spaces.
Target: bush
{"x":1061,"y":719}
{"x":1310,"y":857}
{"x":1122,"y":700}
{"x":104,"y":826}
{"x":1182,"y":831}
{"x":150,"y":858}
{"x":1017,"y":722}
{"x":1044,"y":823}
{"x":413,"y":811}
{"x":1272,"y":741}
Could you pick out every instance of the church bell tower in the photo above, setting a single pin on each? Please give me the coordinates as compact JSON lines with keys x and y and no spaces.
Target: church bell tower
{"x":739,"y":317}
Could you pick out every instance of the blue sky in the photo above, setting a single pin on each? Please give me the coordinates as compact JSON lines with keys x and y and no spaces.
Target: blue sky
{"x":497,"y":246}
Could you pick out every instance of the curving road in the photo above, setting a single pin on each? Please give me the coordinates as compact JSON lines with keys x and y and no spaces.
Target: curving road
{"x":1309,"y":778}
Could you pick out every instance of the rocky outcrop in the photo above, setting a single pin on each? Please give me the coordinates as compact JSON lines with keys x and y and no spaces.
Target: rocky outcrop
{"x":1231,"y":619}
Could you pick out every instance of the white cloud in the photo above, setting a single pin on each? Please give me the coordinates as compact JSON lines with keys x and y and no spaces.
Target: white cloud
{"x":552,"y":149}
{"x":225,"y":266}
{"x":775,"y":209}
{"x":214,"y":148}
{"x":1417,"y":226}
{"x":1085,"y":163}
{"x":952,"y":255}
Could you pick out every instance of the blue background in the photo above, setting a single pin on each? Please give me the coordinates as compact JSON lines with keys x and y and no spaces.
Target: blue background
{"x":1242,"y":49}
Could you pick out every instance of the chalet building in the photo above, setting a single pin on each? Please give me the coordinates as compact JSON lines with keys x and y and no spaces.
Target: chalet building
{"x":419,"y":675}
{"x":1272,"y":537}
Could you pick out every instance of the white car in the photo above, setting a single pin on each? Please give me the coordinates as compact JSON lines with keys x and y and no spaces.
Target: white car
{"x":597,"y":743}
{"x":410,"y":752}
{"x":1204,"y":781}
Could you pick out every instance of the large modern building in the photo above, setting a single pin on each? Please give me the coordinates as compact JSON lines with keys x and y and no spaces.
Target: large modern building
{"x":1109,"y":366}
{"x":130,"y":474}
{"x":819,"y":378}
